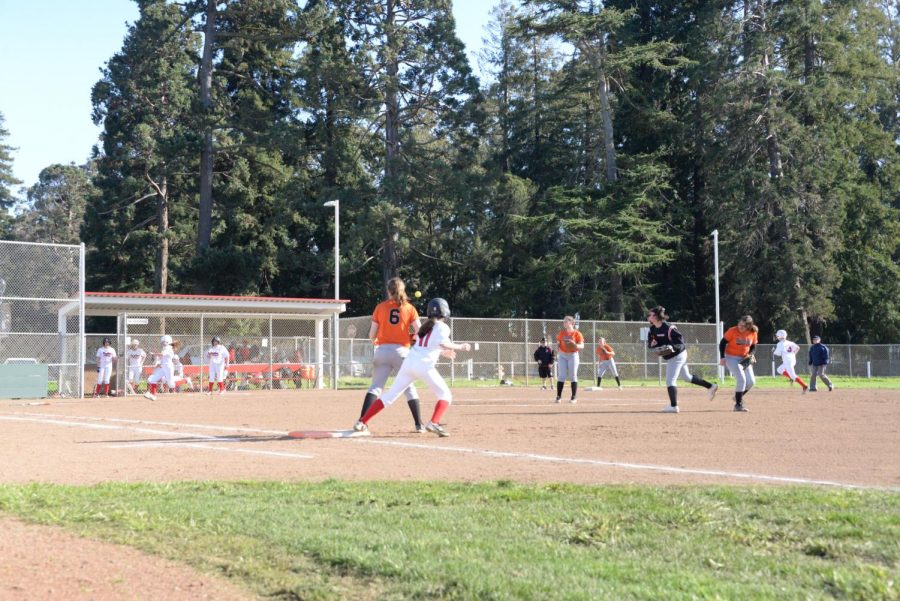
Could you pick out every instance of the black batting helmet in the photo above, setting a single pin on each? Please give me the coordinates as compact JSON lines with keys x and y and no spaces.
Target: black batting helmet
{"x":438,"y":307}
{"x":216,"y":340}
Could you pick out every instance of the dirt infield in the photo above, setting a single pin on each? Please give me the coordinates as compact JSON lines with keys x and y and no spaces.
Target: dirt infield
{"x":845,"y":438}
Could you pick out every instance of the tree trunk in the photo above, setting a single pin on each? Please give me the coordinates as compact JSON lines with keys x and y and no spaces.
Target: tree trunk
{"x":204,"y":230}
{"x":161,"y":284}
{"x":390,"y":268}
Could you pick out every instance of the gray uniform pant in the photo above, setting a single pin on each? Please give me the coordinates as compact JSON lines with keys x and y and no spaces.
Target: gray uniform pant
{"x":818,"y":370}
{"x":567,"y":367}
{"x":608,"y":365}
{"x":388,"y":360}
{"x":744,"y":378}
{"x":677,"y":366}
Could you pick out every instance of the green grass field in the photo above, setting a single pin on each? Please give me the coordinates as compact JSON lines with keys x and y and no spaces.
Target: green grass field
{"x":390,"y":540}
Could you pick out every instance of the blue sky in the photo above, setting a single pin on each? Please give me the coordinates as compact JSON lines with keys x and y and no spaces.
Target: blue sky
{"x":52,"y":52}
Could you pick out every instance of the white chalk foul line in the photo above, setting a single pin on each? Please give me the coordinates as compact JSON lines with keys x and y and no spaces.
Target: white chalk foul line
{"x":90,"y":426}
{"x":156,"y":423}
{"x":625,"y":465}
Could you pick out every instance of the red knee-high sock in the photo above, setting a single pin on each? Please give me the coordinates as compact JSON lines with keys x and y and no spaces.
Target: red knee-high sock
{"x":221,"y":386}
{"x":106,"y":389}
{"x":786,"y":375}
{"x":210,"y":386}
{"x":801,"y":382}
{"x":153,"y":389}
{"x":374,"y":410}
{"x":439,"y":410}
{"x":97,"y":391}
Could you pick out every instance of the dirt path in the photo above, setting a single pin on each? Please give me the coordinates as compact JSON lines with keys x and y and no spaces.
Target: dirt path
{"x":40,"y":562}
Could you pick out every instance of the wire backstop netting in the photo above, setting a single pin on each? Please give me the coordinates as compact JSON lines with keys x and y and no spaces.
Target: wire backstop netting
{"x":42,"y":311}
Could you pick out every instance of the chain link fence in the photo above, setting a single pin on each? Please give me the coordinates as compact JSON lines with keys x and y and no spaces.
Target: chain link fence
{"x":503,"y":350}
{"x":41,"y":316}
{"x":265,"y":351}
{"x":270,"y":352}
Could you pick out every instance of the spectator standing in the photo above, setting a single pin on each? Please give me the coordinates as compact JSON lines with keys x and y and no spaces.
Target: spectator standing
{"x":819,"y":358}
{"x":544,"y":357}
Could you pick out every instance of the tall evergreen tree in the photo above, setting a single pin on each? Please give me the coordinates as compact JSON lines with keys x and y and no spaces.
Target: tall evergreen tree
{"x":55,"y":205}
{"x":7,"y":180}
{"x":137,"y":226}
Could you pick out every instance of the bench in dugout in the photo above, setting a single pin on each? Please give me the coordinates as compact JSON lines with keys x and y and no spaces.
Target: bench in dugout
{"x":248,"y":375}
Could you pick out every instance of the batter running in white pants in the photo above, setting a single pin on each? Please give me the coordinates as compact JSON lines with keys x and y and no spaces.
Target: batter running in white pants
{"x":432,"y":341}
{"x":788,"y":350}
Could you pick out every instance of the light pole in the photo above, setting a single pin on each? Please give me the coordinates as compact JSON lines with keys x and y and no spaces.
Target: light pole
{"x":337,"y":289}
{"x":715,"y":237}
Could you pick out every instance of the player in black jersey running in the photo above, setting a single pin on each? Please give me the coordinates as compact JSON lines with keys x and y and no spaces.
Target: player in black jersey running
{"x":665,"y":340}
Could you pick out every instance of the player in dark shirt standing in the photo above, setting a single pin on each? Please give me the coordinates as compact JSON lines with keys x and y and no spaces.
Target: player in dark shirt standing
{"x":667,"y":342}
{"x":544,"y":357}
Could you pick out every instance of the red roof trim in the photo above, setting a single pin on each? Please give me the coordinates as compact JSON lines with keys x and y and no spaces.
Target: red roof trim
{"x":254,"y":299}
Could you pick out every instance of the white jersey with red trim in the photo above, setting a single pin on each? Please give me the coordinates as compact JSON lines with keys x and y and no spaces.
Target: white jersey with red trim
{"x":427,"y":349}
{"x":105,"y":356}
{"x":787,"y":350}
{"x":217,"y":355}
{"x":165,"y":357}
{"x":136,"y":357}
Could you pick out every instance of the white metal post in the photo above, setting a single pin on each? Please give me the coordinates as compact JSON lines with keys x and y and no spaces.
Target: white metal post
{"x":337,"y":290}
{"x":719,"y":332}
{"x":82,"y":345}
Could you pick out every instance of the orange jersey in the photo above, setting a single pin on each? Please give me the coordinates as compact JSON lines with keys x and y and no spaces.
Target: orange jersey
{"x":394,"y":322}
{"x":568,"y":341}
{"x":605,"y":352}
{"x":739,"y":343}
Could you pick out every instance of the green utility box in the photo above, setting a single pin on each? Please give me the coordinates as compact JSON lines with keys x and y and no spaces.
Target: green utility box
{"x":23,"y":381}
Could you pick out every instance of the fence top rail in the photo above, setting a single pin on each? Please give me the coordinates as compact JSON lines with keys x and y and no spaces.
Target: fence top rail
{"x":40,"y":244}
{"x":222,"y":315}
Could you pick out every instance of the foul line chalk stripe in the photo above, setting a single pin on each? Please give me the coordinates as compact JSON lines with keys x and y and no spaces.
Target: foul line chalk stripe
{"x":196,"y":445}
{"x":58,"y":422}
{"x":156,"y":423}
{"x":627,"y":466}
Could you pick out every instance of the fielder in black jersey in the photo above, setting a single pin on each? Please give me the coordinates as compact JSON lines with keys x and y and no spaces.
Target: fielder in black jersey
{"x":665,"y":340}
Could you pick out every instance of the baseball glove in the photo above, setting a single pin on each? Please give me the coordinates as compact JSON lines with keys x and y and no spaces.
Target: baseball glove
{"x":666,"y":351}
{"x":748,"y":361}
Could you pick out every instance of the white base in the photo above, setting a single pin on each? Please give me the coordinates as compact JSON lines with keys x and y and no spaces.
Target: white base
{"x":594,"y":388}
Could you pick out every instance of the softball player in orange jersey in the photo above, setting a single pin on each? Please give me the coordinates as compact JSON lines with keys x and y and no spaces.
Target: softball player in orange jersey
{"x":432,"y":341}
{"x":605,"y":362}
{"x":394,"y":322}
{"x":735,"y":348}
{"x":569,"y":341}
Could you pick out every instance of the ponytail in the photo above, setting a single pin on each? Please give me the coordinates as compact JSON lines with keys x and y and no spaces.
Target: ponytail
{"x":425,"y":328}
{"x":396,"y":290}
